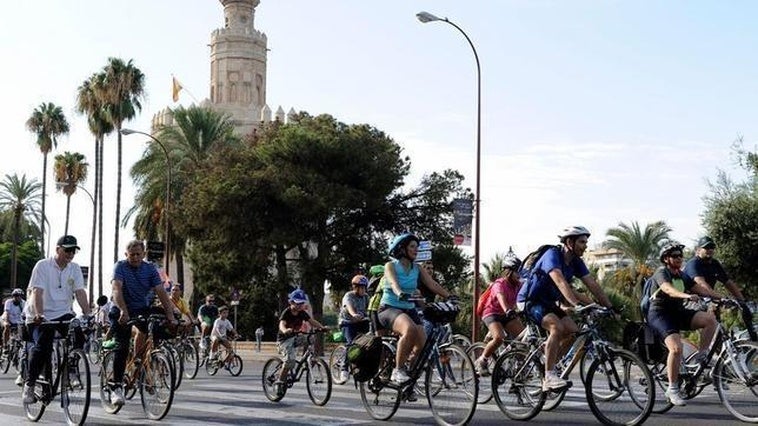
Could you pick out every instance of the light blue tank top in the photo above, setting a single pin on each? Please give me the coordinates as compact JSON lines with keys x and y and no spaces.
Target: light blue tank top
{"x":408,"y":280}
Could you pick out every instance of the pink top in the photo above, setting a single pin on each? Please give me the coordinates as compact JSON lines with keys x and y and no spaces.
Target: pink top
{"x":510,"y":290}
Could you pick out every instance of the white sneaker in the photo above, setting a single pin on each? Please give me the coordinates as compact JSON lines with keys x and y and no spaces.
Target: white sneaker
{"x":554,"y":383}
{"x":344,"y":375}
{"x":399,"y":376}
{"x":19,"y":380}
{"x":117,"y":396}
{"x":675,"y":398}
{"x":481,"y":365}
{"x":28,"y":395}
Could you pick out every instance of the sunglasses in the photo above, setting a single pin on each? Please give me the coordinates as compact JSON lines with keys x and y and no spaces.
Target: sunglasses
{"x":676,"y":255}
{"x":70,"y":250}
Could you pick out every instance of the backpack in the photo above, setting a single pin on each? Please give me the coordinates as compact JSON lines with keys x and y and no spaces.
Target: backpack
{"x":364,"y":355}
{"x":527,"y":266}
{"x":484,"y":298}
{"x":639,"y":338}
{"x":649,"y":287}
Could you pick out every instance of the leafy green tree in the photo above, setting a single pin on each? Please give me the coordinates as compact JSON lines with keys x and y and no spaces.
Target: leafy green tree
{"x":731,"y":219}
{"x":27,"y":255}
{"x":69,"y":170}
{"x":22,"y":198}
{"x":120,"y":91}
{"x":93,"y":106}
{"x":47,"y":122}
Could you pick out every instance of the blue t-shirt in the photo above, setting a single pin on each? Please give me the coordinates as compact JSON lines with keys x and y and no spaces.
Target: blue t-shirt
{"x":540,"y":288}
{"x":711,"y":270}
{"x":137,"y":283}
{"x":408,"y":280}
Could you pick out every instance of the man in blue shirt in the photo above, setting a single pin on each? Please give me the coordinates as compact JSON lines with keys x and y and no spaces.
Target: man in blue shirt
{"x":548,"y":283}
{"x":133,"y":279}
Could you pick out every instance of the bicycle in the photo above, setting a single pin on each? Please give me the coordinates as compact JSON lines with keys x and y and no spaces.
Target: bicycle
{"x":731,"y":365}
{"x":189,"y":355}
{"x":338,"y":363}
{"x":94,"y":346}
{"x":13,"y":351}
{"x":154,"y":378}
{"x":68,"y":375}
{"x":615,"y":377}
{"x":449,"y":374}
{"x":318,"y":379}
{"x":228,"y":360}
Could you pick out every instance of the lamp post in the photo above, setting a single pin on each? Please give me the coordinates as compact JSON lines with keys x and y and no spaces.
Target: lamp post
{"x":126,"y":132}
{"x":425,"y":17}
{"x":92,"y":243}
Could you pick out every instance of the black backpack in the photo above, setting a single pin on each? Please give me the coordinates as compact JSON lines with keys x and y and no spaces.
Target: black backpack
{"x":649,"y":287}
{"x":641,"y":339}
{"x":364,"y":355}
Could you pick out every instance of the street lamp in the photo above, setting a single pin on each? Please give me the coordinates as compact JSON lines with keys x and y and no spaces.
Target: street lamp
{"x":92,"y":244}
{"x":425,"y":17}
{"x":127,"y":132}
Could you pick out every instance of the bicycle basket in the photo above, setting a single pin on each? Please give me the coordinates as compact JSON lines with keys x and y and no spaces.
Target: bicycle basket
{"x":441,"y":312}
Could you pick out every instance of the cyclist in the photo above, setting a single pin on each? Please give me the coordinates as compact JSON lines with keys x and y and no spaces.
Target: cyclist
{"x":352,"y":316}
{"x":11,"y":318}
{"x":132,"y":281}
{"x":221,"y":327}
{"x":401,"y":277}
{"x":499,"y":311}
{"x":292,"y":320}
{"x":103,"y":309}
{"x":668,"y":315}
{"x":181,"y":308}
{"x":550,"y":280}
{"x":206,"y":315}
{"x":707,"y":271}
{"x":55,"y":282}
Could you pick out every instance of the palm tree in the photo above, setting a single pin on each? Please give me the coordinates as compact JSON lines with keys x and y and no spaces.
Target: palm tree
{"x":69,"y":170}
{"x":22,"y":197}
{"x":47,"y":122}
{"x":88,"y":103}
{"x":196,"y":132}
{"x":494,"y":268}
{"x":639,"y":245}
{"x":122,"y":89}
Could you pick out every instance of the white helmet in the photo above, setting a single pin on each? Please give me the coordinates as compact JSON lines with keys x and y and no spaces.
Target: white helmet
{"x":573,"y":231}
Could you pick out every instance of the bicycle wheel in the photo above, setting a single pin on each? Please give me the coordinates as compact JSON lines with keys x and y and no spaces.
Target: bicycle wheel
{"x":234,"y":366}
{"x":155,"y":386}
{"x":462,"y":341}
{"x":452,"y":389}
{"x":584,"y":365}
{"x":737,"y":394}
{"x":106,"y":384}
{"x":485,"y":384}
{"x":17,"y":357}
{"x":379,"y":398}
{"x":211,"y":366}
{"x":318,"y":381}
{"x":35,"y":410}
{"x":94,"y":350}
{"x":269,"y":377}
{"x":5,"y":360}
{"x":75,"y":387}
{"x":174,"y":360}
{"x":191,"y":360}
{"x":619,"y":388}
{"x":517,"y":384}
{"x":661,"y":381}
{"x":337,"y":360}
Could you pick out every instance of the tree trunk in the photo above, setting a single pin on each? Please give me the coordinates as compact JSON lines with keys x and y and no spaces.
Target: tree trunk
{"x":68,"y":213}
{"x":44,"y":197}
{"x":100,"y":216}
{"x":94,"y":234}
{"x":281,"y":276}
{"x":14,"y":249}
{"x":118,"y":195}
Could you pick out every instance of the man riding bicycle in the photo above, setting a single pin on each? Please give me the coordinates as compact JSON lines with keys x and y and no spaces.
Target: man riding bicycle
{"x":353,"y":317}
{"x":206,"y":315}
{"x":401,"y":277}
{"x":668,"y":315}
{"x":54,"y":282}
{"x":133,"y":280}
{"x":11,"y":318}
{"x":549,"y":281}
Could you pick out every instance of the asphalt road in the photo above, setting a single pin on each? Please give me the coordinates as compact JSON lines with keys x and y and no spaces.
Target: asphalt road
{"x":226,"y":400}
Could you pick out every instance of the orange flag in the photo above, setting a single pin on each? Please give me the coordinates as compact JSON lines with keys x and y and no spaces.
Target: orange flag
{"x":176,"y":88}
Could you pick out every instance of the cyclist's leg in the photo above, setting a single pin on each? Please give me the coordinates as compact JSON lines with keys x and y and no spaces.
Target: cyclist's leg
{"x":214,"y":345}
{"x":228,"y":346}
{"x":412,"y":337}
{"x":287,"y":351}
{"x":6,"y":333}
{"x":558,"y":330}
{"x":40,"y":351}
{"x":705,"y":321}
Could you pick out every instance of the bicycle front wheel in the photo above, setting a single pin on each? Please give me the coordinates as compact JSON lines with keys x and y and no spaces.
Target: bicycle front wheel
{"x":270,"y":375}
{"x":517,"y":384}
{"x":739,"y":395}
{"x":337,"y":362}
{"x":190,"y":358}
{"x":75,"y":387}
{"x":107,"y":384}
{"x":318,"y":381}
{"x":156,"y":386}
{"x":462,"y":341}
{"x":619,"y":388}
{"x":379,"y":398}
{"x":94,"y":350}
{"x":36,"y":409}
{"x":451,"y":387}
{"x":235,"y":365}
{"x":485,"y":384}
{"x":5,"y":360}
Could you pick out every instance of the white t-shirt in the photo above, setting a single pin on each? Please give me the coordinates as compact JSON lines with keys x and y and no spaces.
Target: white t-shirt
{"x":221,"y":327}
{"x":13,"y":312}
{"x":58,"y":286}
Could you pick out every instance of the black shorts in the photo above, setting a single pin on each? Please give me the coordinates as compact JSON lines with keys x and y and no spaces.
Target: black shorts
{"x":501,"y":318}
{"x":666,"y":322}
{"x":388,"y":314}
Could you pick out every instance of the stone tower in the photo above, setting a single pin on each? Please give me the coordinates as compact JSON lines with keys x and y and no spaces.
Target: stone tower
{"x":238,"y":66}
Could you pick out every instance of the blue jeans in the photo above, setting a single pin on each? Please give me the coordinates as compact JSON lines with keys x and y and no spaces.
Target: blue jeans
{"x":42,"y":346}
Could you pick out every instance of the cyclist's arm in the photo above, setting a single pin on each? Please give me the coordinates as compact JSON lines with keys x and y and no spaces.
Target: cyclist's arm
{"x":315,"y":323}
{"x":702,"y":288}
{"x":734,"y":289}
{"x":38,"y":305}
{"x":81,"y":299}
{"x":166,"y":303}
{"x":670,"y":290}
{"x":432,"y":285}
{"x":389,"y":274}
{"x":594,"y":287}
{"x":283,"y":327}
{"x":563,"y":286}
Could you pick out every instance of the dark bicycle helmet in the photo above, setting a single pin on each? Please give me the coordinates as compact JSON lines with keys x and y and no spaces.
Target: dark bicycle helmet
{"x":17,"y":292}
{"x":298,"y":296}
{"x":399,"y":244}
{"x":670,"y":246}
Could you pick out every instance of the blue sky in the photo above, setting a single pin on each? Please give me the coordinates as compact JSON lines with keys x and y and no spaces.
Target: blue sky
{"x":594,"y":112}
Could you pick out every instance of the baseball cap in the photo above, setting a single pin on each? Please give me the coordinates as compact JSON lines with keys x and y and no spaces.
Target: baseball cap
{"x":68,"y":241}
{"x":706,"y":242}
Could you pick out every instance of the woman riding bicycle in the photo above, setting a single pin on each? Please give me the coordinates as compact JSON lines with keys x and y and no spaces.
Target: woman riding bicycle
{"x":396,"y":312}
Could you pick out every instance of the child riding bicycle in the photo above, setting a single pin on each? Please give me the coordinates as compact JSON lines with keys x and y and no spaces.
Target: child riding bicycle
{"x":291,"y":321}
